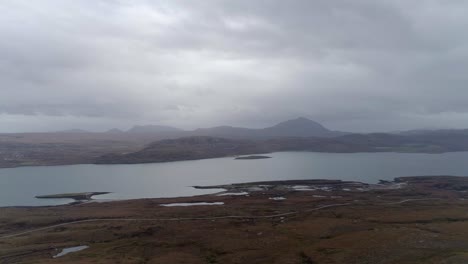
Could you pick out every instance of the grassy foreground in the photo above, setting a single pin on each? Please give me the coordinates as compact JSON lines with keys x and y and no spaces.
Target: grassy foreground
{"x":424,"y":221}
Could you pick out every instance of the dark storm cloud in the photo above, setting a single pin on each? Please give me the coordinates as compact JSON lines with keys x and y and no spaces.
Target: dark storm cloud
{"x":358,"y":65}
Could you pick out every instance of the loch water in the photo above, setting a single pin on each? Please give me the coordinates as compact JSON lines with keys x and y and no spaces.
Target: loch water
{"x":19,"y":186}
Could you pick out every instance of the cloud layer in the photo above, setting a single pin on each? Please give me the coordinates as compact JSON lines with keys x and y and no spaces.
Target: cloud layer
{"x":353,"y":65}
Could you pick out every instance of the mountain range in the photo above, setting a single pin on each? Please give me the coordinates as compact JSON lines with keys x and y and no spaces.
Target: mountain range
{"x":299,"y":127}
{"x":153,"y":143}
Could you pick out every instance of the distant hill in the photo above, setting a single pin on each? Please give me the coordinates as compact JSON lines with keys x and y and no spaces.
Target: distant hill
{"x":189,"y":148}
{"x":152,"y":129}
{"x":202,"y":147}
{"x":114,"y":130}
{"x":299,"y":127}
{"x":74,"y":130}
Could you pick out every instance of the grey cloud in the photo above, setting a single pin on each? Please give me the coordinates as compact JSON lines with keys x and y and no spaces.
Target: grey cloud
{"x":350,"y":64}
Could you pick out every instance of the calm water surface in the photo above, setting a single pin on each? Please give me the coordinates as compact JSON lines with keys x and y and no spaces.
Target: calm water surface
{"x":18,"y":186}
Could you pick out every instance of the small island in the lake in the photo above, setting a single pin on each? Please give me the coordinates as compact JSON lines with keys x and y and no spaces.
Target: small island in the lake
{"x":75,"y":196}
{"x":253,"y":157}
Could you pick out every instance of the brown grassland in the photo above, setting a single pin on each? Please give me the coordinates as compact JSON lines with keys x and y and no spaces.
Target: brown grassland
{"x":424,"y":222}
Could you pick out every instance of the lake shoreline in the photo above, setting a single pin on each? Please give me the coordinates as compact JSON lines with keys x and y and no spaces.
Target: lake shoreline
{"x":55,"y":164}
{"x":175,"y":178}
{"x":280,"y":213}
{"x":245,"y":189}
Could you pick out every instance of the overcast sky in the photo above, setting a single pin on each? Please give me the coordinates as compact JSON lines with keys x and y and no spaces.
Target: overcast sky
{"x":351,"y":65}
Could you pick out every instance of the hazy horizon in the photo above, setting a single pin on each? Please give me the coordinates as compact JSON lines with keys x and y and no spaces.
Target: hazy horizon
{"x":358,"y":66}
{"x":125,"y":129}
